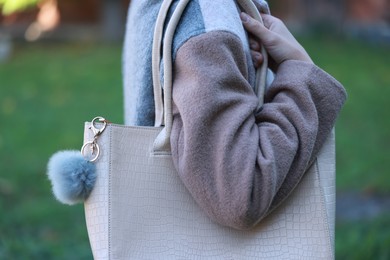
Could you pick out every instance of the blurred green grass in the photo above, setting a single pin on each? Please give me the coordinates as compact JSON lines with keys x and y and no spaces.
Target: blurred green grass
{"x":363,"y":128}
{"x":46,"y":94}
{"x":47,"y":91}
{"x":362,"y":239}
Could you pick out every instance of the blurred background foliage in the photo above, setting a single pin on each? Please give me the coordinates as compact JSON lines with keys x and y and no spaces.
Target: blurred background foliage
{"x":12,"y":6}
{"x":62,"y":66}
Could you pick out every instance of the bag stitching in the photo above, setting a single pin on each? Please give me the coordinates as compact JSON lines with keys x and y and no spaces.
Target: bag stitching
{"x":323,"y":213}
{"x":109,"y":194}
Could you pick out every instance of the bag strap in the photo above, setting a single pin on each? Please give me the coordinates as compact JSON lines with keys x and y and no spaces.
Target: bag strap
{"x":261,"y":73}
{"x":156,"y":59}
{"x":163,"y":103}
{"x":162,"y":143}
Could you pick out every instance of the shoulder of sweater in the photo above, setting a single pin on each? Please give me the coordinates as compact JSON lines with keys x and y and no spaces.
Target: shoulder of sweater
{"x":214,"y":46}
{"x":215,"y":39}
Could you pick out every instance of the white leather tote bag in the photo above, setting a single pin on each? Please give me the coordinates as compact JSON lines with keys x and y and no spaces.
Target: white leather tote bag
{"x":139,"y":208}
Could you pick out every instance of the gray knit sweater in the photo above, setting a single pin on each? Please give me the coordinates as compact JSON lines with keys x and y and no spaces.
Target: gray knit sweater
{"x":237,"y":163}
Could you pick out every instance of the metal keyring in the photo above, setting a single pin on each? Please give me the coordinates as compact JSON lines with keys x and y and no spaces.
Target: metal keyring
{"x":97,"y":131}
{"x":94,"y":145}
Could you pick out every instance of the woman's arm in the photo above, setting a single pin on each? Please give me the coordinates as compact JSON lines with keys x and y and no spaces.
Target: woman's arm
{"x":232,"y":159}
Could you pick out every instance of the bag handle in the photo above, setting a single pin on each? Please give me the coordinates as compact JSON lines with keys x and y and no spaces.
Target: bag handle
{"x":156,"y":54}
{"x":163,"y":105}
{"x":162,"y":143}
{"x":261,"y":73}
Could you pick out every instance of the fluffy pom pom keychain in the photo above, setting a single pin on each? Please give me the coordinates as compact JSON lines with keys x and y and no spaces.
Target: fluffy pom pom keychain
{"x":72,"y":173}
{"x":72,"y":176}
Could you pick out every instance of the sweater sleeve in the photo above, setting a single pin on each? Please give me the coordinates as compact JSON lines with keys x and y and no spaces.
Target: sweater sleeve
{"x":237,"y":162}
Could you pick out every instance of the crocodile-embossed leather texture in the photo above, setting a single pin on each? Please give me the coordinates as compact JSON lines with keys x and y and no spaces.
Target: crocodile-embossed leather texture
{"x":139,"y":209}
{"x":96,"y":207}
{"x":327,"y":173}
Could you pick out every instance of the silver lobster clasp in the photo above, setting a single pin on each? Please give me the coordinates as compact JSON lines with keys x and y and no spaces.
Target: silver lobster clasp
{"x":97,"y":131}
{"x":93,"y":152}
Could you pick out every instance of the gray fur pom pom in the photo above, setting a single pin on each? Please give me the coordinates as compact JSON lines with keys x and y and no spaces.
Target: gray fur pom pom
{"x":72,"y":176}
